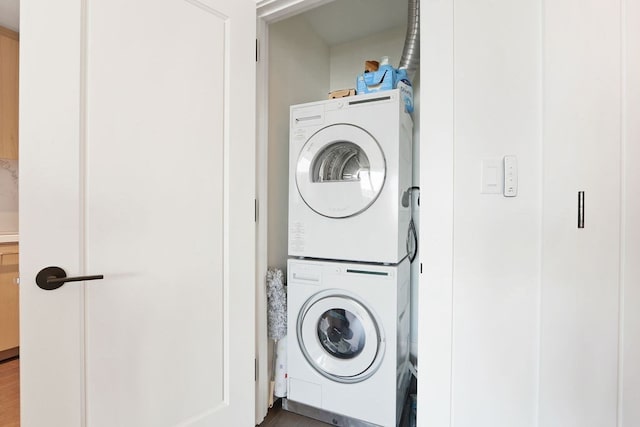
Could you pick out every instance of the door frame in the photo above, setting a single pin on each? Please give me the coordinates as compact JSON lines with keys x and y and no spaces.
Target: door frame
{"x":435,"y":301}
{"x":436,"y":181}
{"x":267,"y":12}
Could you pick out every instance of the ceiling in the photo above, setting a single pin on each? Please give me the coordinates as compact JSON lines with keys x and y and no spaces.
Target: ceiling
{"x":10,"y":14}
{"x":337,"y":22}
{"x":344,"y":20}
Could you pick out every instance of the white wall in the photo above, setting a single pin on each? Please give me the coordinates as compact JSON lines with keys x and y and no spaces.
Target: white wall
{"x":347,"y":59}
{"x":480,"y":252}
{"x":298,"y":73}
{"x":630,"y":345}
{"x":496,"y":239}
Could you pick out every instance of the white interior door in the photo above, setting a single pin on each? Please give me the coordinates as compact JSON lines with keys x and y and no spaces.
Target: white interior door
{"x":137,"y":162}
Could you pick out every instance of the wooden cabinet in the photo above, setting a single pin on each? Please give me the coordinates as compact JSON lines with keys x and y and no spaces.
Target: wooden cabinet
{"x":8,"y":150}
{"x":8,"y":94}
{"x":8,"y":300}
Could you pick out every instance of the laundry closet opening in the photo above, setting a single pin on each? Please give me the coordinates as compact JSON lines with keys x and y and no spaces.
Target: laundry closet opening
{"x":308,"y":56}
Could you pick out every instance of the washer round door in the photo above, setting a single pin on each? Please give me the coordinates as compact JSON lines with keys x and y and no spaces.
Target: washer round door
{"x":340,"y":171}
{"x":339,"y":337}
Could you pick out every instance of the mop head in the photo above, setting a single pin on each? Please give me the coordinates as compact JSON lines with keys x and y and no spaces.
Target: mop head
{"x":276,"y":305}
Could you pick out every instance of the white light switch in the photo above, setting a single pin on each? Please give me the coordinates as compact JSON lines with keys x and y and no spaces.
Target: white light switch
{"x":491,"y":174}
{"x":510,"y":176}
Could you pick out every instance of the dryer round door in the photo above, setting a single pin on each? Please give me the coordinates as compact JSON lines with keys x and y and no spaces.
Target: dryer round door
{"x":340,"y":171}
{"x":339,"y":337}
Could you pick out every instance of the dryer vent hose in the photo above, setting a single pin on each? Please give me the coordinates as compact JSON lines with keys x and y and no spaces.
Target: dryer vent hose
{"x":411,"y":51}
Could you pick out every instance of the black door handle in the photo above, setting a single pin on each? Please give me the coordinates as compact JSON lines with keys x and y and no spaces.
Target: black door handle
{"x":50,"y":278}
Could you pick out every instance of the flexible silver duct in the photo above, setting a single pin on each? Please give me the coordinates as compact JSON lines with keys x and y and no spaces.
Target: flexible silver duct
{"x":411,"y":52}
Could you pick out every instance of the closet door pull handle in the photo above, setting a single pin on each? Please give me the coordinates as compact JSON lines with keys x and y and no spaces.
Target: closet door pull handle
{"x":580,"y":209}
{"x":51,"y":278}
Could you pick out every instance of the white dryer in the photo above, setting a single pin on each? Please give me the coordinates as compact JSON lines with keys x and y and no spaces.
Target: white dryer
{"x":350,"y":171}
{"x":348,"y":343}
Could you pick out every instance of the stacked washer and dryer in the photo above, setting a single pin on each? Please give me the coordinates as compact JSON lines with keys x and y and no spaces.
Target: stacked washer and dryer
{"x":348,"y":271}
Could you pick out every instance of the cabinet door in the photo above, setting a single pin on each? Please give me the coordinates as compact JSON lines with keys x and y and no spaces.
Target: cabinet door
{"x":8,"y":300}
{"x":580,"y":266}
{"x":8,"y":94}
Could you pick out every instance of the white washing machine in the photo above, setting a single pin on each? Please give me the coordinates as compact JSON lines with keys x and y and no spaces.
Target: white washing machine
{"x":349,"y":173}
{"x":348,"y":357}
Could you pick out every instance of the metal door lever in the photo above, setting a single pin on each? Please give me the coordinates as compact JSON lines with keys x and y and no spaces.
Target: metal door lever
{"x":50,"y":278}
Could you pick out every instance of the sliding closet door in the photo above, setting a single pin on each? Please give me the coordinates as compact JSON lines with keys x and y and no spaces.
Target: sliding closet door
{"x":579,"y":329}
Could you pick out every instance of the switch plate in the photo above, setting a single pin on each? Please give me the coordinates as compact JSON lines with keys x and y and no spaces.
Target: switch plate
{"x":510,"y":176}
{"x":491,"y":176}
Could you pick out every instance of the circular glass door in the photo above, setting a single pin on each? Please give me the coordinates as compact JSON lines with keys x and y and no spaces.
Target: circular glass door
{"x":339,"y":337}
{"x":340,"y":171}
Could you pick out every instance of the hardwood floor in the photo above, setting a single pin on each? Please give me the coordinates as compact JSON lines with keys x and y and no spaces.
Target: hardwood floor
{"x":10,"y":393}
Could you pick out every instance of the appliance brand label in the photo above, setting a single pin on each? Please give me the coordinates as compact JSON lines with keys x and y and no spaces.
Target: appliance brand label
{"x":297,"y":236}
